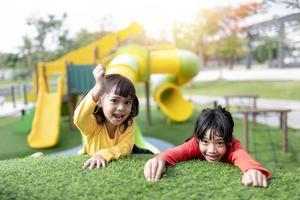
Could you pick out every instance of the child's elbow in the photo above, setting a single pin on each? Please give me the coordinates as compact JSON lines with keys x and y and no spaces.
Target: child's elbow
{"x":76,"y":119}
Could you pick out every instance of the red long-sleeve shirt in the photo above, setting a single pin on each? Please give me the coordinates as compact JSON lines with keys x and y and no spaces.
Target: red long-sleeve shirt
{"x":235,"y":155}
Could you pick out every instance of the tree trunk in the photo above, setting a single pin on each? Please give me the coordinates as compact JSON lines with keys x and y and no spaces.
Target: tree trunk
{"x":231,"y":63}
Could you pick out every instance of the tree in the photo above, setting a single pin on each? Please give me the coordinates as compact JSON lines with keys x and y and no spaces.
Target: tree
{"x":183,"y":35}
{"x":51,"y":40}
{"x":218,"y":32}
{"x":26,"y":51}
{"x":267,"y":50}
{"x":231,"y":48}
{"x":50,"y":28}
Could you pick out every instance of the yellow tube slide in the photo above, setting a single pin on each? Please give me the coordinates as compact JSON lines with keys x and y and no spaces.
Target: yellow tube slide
{"x":179,"y":66}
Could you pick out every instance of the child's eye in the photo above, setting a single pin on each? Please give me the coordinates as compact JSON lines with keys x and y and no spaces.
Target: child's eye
{"x":220,"y":144}
{"x":114,"y":100}
{"x":128,"y":102}
{"x":204,"y":142}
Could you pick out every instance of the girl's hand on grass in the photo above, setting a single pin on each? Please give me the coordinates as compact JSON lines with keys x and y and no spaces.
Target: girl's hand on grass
{"x":100,"y":82}
{"x":254,"y":177}
{"x":154,"y":168}
{"x":96,"y":161}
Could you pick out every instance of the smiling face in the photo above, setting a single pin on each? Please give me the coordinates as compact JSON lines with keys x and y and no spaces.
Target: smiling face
{"x":212,"y":146}
{"x":116,"y":108}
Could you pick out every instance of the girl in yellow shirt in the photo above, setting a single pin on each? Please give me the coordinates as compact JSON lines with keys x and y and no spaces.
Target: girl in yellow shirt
{"x":105,"y":118}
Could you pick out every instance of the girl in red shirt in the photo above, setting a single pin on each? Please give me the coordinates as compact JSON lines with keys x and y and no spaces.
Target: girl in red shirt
{"x":212,"y":141}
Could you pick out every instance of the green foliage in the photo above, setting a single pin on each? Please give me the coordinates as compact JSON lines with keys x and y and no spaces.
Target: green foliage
{"x":211,"y":36}
{"x":51,"y":41}
{"x":184,"y":35}
{"x":267,"y":50}
{"x":46,"y":28}
{"x":228,"y":48}
{"x":9,"y":60}
{"x":231,"y":47}
{"x":61,"y":177}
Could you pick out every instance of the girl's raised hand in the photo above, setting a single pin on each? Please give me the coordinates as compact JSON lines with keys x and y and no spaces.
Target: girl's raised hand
{"x":100,"y":81}
{"x":154,"y":168}
{"x":254,"y":177}
{"x":95,"y":161}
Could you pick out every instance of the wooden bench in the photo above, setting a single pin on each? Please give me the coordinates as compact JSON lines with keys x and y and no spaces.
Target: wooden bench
{"x":283,"y":117}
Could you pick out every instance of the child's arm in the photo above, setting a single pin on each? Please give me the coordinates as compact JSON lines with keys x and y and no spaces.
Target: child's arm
{"x":253,"y":172}
{"x":100,"y":82}
{"x":185,"y":151}
{"x":156,"y":166}
{"x":83,"y":117}
{"x":123,"y":148}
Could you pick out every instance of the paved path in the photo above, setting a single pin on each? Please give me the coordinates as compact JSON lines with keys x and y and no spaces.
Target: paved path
{"x":8,"y":109}
{"x":259,"y":73}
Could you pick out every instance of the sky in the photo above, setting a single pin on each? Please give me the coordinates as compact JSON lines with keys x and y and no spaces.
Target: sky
{"x":156,"y":16}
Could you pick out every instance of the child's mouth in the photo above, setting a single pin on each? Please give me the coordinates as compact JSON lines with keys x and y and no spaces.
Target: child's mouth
{"x":118,"y":117}
{"x":212,"y":158}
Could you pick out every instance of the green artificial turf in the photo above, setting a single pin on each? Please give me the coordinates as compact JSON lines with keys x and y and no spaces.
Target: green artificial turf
{"x":61,"y":177}
{"x":265,"y":89}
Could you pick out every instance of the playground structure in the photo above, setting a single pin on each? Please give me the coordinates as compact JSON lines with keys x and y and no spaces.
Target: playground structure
{"x":135,"y":62}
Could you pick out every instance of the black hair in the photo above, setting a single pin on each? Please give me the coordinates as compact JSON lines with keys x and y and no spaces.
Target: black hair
{"x":123,"y":87}
{"x":218,"y":120}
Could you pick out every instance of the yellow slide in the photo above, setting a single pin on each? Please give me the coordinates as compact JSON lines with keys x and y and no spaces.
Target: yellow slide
{"x":46,"y":122}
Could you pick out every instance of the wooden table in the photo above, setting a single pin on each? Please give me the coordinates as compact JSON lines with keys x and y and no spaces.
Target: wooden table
{"x":243,"y":96}
{"x":283,"y":124}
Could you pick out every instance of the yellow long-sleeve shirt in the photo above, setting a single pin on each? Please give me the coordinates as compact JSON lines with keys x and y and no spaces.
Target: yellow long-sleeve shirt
{"x":96,"y":137}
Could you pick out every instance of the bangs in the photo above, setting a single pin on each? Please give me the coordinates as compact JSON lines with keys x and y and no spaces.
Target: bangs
{"x":214,"y":132}
{"x":122,"y":86}
{"x":125,"y":89}
{"x":216,"y":129}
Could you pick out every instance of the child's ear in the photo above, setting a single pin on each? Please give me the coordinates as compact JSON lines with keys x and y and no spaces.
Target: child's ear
{"x":100,"y":103}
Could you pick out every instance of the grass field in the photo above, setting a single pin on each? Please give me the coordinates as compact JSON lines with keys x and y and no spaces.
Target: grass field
{"x":14,"y":131}
{"x":265,"y":89}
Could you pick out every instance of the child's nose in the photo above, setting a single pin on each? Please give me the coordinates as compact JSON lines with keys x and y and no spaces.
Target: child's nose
{"x":212,"y":148}
{"x":120,"y":106}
